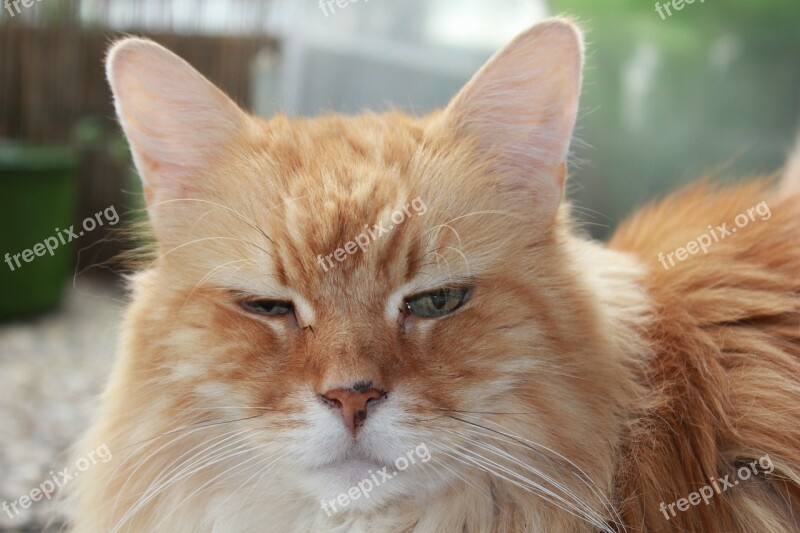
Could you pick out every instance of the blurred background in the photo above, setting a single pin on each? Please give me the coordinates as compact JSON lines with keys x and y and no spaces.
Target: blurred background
{"x":707,"y":89}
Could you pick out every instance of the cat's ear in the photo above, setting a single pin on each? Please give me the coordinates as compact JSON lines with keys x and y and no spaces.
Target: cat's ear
{"x":521,"y":109}
{"x":177,"y":122}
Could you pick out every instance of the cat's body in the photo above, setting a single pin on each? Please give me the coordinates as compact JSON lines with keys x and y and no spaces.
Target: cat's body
{"x":573,"y":387}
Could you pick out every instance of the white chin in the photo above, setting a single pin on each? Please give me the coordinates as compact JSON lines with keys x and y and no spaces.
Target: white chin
{"x":329,"y":483}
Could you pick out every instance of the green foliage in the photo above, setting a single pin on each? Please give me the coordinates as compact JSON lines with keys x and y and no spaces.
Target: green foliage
{"x":713,"y":85}
{"x":93,"y":133}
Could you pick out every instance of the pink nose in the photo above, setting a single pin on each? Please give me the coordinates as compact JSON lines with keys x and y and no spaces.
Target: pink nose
{"x":353,"y":405}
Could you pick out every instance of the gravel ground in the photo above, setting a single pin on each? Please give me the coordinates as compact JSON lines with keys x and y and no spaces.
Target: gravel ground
{"x":51,"y":372}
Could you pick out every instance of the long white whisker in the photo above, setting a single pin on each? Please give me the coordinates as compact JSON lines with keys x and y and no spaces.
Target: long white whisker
{"x":470,"y":460}
{"x":152,"y":491}
{"x":259,"y":472}
{"x":479,"y":430}
{"x":493,"y":449}
{"x":578,"y":506}
{"x":583,"y":475}
{"x":144,"y":460}
{"x":207,"y":276}
{"x":465,"y":480}
{"x":212,"y":449}
{"x":203,"y":239}
{"x":199,"y":489}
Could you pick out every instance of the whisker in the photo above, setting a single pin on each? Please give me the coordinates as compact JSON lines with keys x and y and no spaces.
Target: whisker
{"x":204,"y":485}
{"x":530,"y":468}
{"x":189,"y":429}
{"x":153,"y":489}
{"x":258,"y":473}
{"x":143,"y":460}
{"x":577,"y":506}
{"x":132,"y":512}
{"x":233,"y":211}
{"x":190,"y":426}
{"x":207,"y":276}
{"x":465,"y":480}
{"x":580,"y":473}
{"x":174,"y":472}
{"x":529,"y":413}
{"x":244,"y":407}
{"x":204,"y":239}
{"x":471,"y":461}
{"x":463,"y":256}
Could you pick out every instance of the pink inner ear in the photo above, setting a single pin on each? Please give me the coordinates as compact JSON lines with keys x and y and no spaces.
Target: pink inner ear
{"x":164,"y":181}
{"x":521,"y":108}
{"x":177,"y":121}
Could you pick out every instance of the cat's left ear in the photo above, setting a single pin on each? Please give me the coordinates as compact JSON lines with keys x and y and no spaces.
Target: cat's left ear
{"x":521,"y":109}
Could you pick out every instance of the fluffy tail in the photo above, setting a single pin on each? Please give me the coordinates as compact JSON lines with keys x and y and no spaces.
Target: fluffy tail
{"x":791,"y":176}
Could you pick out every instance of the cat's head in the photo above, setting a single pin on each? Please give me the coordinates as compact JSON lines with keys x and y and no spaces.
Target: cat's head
{"x":359,"y":286}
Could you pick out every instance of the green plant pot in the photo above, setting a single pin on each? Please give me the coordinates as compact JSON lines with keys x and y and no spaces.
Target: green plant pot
{"x":38,"y":195}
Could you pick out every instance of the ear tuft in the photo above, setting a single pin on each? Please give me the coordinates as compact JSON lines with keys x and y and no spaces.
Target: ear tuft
{"x":521,"y":109}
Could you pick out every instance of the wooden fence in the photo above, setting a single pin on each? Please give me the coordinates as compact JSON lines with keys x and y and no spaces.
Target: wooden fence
{"x":52,"y":77}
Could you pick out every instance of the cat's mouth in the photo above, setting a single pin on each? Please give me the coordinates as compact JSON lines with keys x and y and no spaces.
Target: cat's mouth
{"x":357,"y":484}
{"x":354,"y":462}
{"x":353,"y":466}
{"x":341,"y":476}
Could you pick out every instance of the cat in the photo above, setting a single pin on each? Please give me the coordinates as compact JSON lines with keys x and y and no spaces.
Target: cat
{"x":554,"y":383}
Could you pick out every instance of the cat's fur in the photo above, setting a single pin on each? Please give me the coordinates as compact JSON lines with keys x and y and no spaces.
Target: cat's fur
{"x":579,"y":387}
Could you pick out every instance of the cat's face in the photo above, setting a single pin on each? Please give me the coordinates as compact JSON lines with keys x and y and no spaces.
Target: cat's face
{"x":363,"y":285}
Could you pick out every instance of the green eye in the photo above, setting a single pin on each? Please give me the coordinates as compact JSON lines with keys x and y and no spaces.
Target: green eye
{"x":268,"y":307}
{"x":437,"y":303}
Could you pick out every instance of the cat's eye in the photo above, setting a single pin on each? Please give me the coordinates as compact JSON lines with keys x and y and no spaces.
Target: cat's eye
{"x":437,"y":303}
{"x":268,"y":307}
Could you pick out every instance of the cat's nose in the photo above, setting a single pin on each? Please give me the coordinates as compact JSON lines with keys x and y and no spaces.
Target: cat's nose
{"x":353,"y":403}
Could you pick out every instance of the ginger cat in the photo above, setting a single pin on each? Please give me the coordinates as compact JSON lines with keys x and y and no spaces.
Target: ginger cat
{"x":387,"y":323}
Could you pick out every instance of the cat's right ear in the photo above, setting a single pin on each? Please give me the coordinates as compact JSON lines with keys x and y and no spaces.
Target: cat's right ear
{"x":520,"y":109}
{"x":177,"y":122}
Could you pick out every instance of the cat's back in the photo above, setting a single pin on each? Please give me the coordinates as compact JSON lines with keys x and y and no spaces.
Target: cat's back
{"x":723,"y":272}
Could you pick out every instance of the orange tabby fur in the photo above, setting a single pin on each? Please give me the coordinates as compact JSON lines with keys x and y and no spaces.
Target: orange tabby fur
{"x":724,"y":385}
{"x":579,"y":387}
